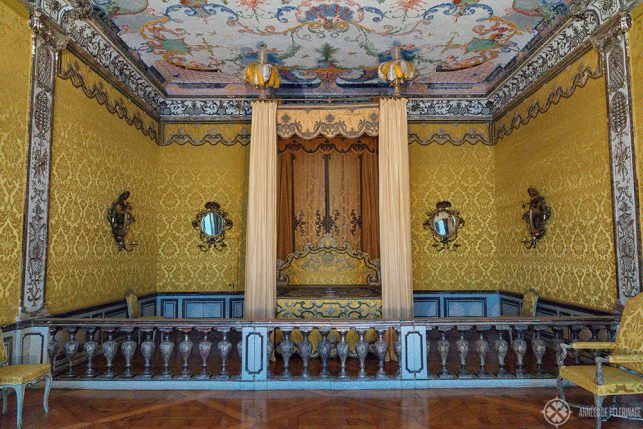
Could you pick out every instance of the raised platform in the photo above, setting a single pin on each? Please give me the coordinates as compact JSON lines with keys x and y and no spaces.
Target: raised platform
{"x":359,"y":302}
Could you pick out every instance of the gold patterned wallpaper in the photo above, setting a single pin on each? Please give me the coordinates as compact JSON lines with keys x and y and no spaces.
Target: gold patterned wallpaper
{"x":15,"y":62}
{"x":96,"y":155}
{"x":564,"y":153}
{"x":636,"y":68}
{"x":462,"y":172}
{"x":188,"y":177}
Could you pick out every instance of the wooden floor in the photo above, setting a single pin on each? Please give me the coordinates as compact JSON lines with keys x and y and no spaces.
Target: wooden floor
{"x":448,"y":409}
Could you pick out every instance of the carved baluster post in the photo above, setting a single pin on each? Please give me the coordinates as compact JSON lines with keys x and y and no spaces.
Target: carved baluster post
{"x":128,"y":348}
{"x":240,"y":349}
{"x":286,"y":348}
{"x":342,"y":352}
{"x":519,"y":346}
{"x":205,"y":346}
{"x":305,"y":350}
{"x":147,"y":350}
{"x":362,"y":351}
{"x":502,"y":346}
{"x":110,"y":348}
{"x":323,"y":347}
{"x":576,"y":337}
{"x":482,"y":348}
{"x":398,"y":351}
{"x":381,"y":348}
{"x":166,"y":348}
{"x":557,"y":341}
{"x":71,"y":347}
{"x":443,"y":350}
{"x":270,"y":347}
{"x":185,"y":350}
{"x":224,"y":347}
{"x":539,"y":348}
{"x":52,"y":348}
{"x":462,"y":346}
{"x":90,"y":347}
{"x":595,"y":330}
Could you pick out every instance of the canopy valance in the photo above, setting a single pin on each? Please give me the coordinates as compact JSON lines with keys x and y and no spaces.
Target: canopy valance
{"x":308,"y":121}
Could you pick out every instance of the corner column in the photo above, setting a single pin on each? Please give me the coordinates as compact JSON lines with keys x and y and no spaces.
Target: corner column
{"x":46,"y":46}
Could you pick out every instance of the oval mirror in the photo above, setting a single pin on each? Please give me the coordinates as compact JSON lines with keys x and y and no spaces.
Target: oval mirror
{"x":212,"y":224}
{"x":444,"y":223}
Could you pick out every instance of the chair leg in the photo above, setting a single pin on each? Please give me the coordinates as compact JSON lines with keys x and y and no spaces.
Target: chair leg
{"x":598,"y":403}
{"x":5,"y":393}
{"x":20,"y":395}
{"x":561,"y":391}
{"x":45,"y":398}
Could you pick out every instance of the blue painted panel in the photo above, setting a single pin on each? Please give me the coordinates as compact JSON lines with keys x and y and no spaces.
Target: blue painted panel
{"x":203,"y":308}
{"x":509,"y":307}
{"x":426,"y":307}
{"x":413,"y":364}
{"x":148,"y":308}
{"x":254,"y":364}
{"x":169,"y":308}
{"x":465,"y":307}
{"x":236,"y":308}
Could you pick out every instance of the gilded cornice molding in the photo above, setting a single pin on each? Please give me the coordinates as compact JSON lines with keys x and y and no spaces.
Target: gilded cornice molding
{"x":536,"y":108}
{"x":442,"y":137}
{"x":71,"y":71}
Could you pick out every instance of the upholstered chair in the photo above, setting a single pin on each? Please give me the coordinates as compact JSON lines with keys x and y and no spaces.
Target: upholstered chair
{"x":529,"y":303}
{"x":18,"y":377}
{"x":620,"y":373}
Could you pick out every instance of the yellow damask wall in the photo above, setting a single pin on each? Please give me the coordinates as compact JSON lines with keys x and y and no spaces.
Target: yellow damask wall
{"x":636,"y":68}
{"x":96,"y":156}
{"x":188,"y":177}
{"x":15,"y":61}
{"x":450,"y":162}
{"x":564,"y":153}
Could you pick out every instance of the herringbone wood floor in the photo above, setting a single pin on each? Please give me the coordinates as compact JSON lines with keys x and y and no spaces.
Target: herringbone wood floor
{"x":412,"y":409}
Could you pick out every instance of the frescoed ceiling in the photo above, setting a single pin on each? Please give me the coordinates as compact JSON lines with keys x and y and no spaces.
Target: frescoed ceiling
{"x":200,"y":47}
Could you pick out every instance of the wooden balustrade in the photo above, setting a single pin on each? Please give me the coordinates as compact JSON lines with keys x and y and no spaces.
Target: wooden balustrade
{"x":232,"y":350}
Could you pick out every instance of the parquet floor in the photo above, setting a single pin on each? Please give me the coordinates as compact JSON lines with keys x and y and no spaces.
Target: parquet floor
{"x":412,"y":409}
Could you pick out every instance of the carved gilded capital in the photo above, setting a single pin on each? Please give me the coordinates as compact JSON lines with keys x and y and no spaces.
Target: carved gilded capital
{"x":46,"y":32}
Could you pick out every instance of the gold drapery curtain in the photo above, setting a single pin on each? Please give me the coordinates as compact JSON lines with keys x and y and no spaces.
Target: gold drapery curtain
{"x":260,"y":296}
{"x":395,"y":210}
{"x":310,"y":121}
{"x":328,"y":185}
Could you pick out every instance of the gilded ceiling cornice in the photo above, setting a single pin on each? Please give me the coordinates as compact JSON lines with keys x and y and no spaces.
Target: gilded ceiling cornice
{"x":561,"y":47}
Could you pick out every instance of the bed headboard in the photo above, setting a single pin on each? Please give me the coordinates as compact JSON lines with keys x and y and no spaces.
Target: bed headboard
{"x":328,"y":264}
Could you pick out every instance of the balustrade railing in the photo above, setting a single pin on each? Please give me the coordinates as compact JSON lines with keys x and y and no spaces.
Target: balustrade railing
{"x":202,"y":349}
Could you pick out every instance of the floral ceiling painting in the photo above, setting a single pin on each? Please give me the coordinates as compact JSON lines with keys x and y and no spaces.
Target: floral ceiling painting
{"x":200,"y":47}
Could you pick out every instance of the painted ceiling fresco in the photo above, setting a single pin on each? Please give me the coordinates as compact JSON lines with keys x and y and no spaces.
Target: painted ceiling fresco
{"x":200,"y":47}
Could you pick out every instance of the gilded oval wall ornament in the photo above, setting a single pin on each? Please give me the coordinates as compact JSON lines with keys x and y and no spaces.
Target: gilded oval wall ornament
{"x":445,"y":224}
{"x":536,"y":217}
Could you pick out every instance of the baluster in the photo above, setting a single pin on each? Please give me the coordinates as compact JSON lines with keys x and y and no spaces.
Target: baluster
{"x":443,"y":349}
{"x":52,"y":348}
{"x":110,"y":348}
{"x":502,"y":346}
{"x":381,"y":348}
{"x":398,"y":352}
{"x":595,"y":329}
{"x":305,"y":350}
{"x":482,"y":347}
{"x":224,"y":347}
{"x":428,"y":351}
{"x":575,"y":338}
{"x":286,"y":348}
{"x":342,"y":352}
{"x":185,"y":350}
{"x":269,"y":348}
{"x":71,"y":347}
{"x":90,"y":347}
{"x":205,"y":347}
{"x":557,"y":341}
{"x":519,"y":346}
{"x":324,"y":347}
{"x":539,"y":348}
{"x":147,"y":351}
{"x":462,"y":345}
{"x":166,"y":348}
{"x":128,"y":348}
{"x":362,"y":351}
{"x":240,"y":349}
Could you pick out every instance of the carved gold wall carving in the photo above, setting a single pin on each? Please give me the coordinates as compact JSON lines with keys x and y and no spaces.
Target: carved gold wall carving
{"x":311,"y":121}
{"x":94,"y":86}
{"x":196,"y":134}
{"x":15,"y":61}
{"x":565,"y":154}
{"x":464,"y":175}
{"x":189,"y":176}
{"x":96,"y":156}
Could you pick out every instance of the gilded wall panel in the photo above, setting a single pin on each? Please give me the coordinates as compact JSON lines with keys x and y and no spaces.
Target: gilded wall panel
{"x":188,"y":177}
{"x":196,"y":134}
{"x":564,"y":154}
{"x":96,"y":156}
{"x":464,"y":175}
{"x":15,"y":60}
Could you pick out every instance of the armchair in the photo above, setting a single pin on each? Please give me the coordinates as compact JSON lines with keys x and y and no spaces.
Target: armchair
{"x":625,"y":377}
{"x":18,"y":377}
